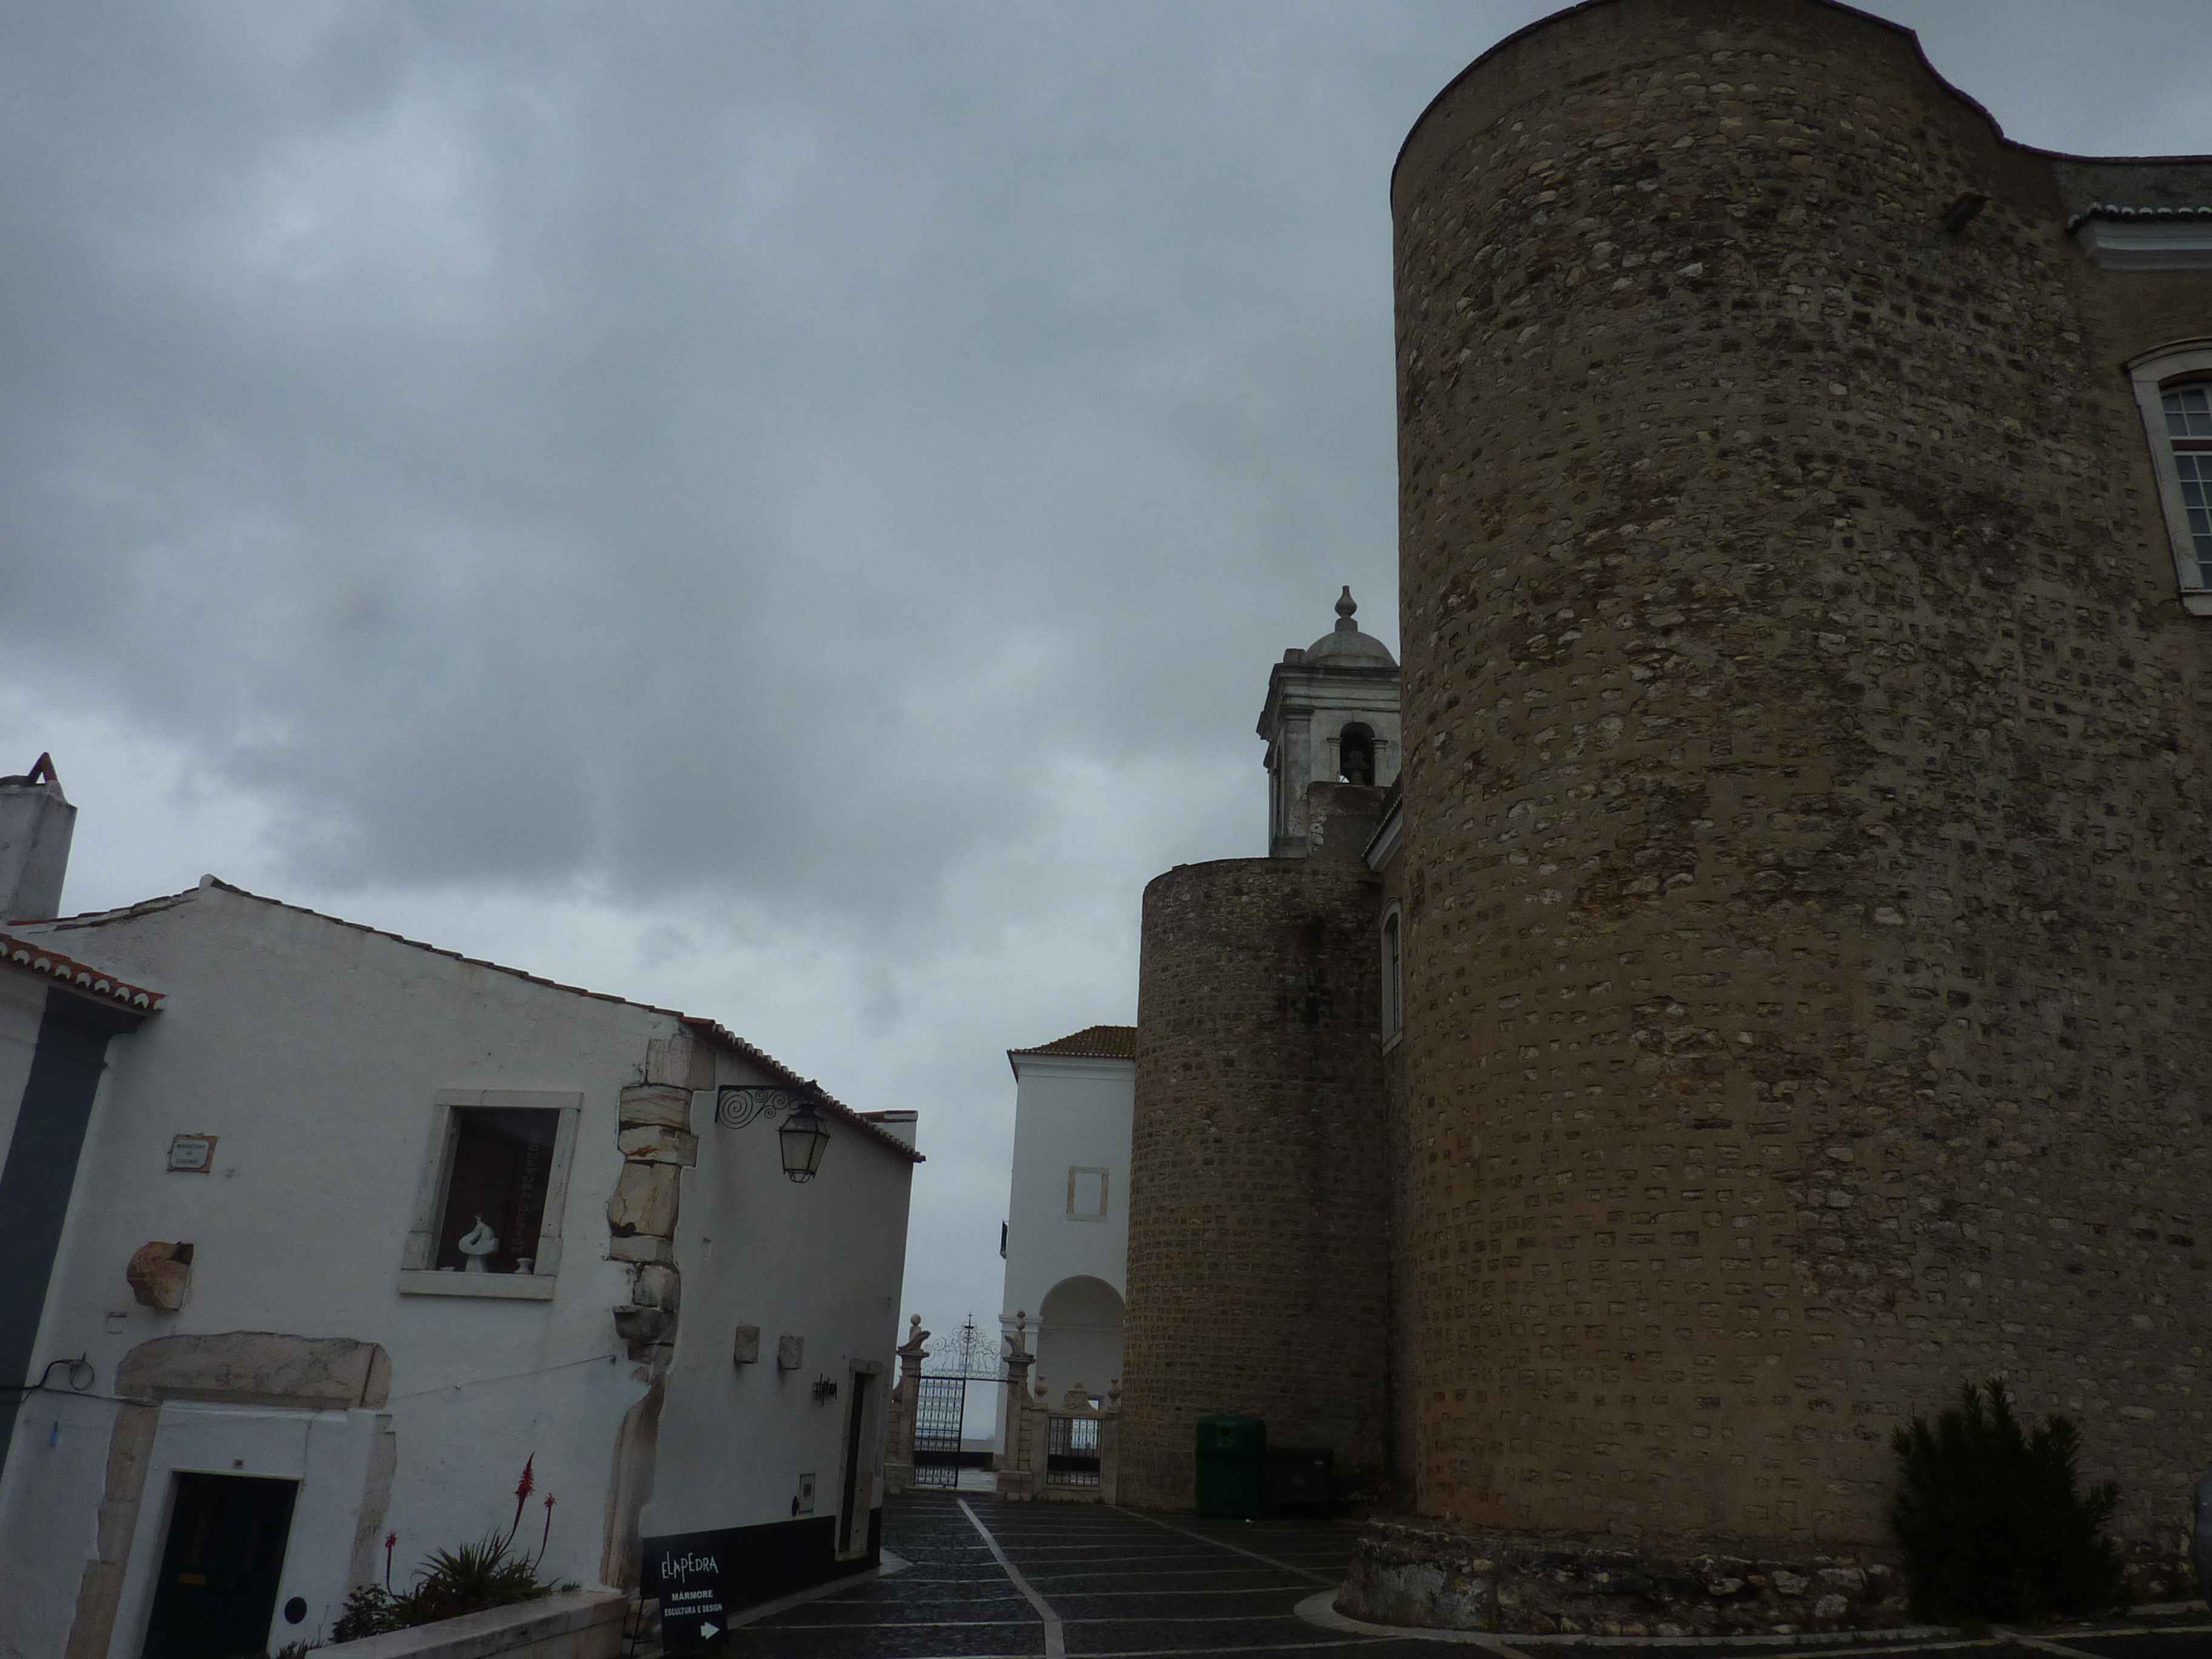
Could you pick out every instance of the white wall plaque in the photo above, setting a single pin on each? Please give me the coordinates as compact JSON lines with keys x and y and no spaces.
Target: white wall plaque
{"x":191,"y":1154}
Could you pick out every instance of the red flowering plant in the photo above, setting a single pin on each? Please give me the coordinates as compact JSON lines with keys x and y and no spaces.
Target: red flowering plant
{"x":467,"y":1578}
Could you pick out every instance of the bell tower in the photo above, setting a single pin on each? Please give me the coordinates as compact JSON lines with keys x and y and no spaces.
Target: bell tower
{"x":1331,"y":726}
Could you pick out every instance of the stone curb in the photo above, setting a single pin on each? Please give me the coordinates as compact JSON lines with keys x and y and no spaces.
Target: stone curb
{"x":1320,"y":1609}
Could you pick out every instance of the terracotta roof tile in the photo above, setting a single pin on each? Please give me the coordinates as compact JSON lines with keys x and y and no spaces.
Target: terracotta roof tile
{"x":1091,"y":1042}
{"x":41,"y":959}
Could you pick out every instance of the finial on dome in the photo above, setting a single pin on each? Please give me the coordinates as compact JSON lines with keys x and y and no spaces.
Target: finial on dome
{"x":1344,"y":608}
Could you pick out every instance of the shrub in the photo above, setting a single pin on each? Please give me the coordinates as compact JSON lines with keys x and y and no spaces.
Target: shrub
{"x":1992,"y":1520}
{"x":368,"y":1612}
{"x":488,"y":1573}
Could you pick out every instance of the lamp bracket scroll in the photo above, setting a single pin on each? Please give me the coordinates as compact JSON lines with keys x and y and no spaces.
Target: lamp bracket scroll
{"x":736,"y":1104}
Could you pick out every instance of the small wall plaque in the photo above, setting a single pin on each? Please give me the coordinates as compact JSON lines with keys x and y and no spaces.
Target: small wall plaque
{"x":790,"y":1353}
{"x":745,"y":1350}
{"x":191,"y":1154}
{"x":803,"y":1502}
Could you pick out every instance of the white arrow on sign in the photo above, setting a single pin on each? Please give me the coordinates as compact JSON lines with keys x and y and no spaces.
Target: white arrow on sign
{"x":709,"y":1633}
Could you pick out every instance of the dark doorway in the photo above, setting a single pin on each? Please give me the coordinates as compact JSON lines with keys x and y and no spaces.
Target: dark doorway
{"x":220,"y":1567}
{"x":850,"y":1497}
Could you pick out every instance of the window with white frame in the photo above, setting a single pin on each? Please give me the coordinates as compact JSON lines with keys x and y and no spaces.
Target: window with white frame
{"x":2174,"y":389}
{"x":495,"y":1182}
{"x":1393,"y":973}
{"x":1086,"y":1195}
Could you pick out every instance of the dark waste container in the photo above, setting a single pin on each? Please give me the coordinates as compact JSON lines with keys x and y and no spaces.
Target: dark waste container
{"x":1232,"y":1465}
{"x":1300,"y":1478}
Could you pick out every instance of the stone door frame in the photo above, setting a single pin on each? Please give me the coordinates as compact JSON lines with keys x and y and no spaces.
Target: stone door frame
{"x":234,"y":1368}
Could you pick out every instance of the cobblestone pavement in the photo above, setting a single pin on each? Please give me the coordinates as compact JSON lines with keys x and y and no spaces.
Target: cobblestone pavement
{"x":990,"y":1580}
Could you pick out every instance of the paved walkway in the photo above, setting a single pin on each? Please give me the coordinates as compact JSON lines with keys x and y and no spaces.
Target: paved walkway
{"x":990,"y":1580}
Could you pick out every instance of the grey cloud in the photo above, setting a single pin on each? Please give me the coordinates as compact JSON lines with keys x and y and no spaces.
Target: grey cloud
{"x":836,"y":469}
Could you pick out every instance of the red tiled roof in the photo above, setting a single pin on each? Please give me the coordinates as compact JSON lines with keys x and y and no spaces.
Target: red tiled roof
{"x":1091,"y":1042}
{"x":78,"y":975}
{"x":712,"y":1030}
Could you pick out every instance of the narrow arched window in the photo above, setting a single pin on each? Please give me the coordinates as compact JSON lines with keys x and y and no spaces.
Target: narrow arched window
{"x":2188,"y":411}
{"x":1355,"y":756}
{"x":1394,"y":977}
{"x":2173,"y":388}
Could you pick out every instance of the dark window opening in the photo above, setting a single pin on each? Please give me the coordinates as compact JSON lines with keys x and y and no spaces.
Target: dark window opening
{"x":1393,"y":1015}
{"x":1355,"y":756}
{"x":496,"y":1195}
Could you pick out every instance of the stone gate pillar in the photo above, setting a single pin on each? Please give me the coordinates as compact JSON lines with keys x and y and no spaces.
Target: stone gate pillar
{"x":906,"y":1394}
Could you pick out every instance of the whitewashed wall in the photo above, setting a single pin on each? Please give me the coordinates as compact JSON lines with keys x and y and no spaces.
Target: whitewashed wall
{"x":821,"y":1260}
{"x":1068,"y":1113}
{"x":315,"y":1051}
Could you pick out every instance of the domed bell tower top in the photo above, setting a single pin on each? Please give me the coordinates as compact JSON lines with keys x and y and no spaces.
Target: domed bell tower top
{"x":1331,"y":726}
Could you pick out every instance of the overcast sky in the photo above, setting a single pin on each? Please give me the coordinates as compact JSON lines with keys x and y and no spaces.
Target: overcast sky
{"x":783,"y":510}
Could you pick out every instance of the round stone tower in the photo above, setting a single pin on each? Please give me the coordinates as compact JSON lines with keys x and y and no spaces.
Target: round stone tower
{"x":1804,"y":780}
{"x":1258,"y":1276}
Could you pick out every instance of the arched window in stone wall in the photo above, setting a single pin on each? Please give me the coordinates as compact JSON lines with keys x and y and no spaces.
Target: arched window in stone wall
{"x":1394,"y":975}
{"x":1355,"y":754}
{"x":2173,"y":389}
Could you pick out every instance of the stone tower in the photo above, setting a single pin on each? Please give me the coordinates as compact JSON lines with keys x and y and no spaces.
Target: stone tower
{"x":1258,"y":1249}
{"x":1331,"y":718}
{"x":1805,"y":787}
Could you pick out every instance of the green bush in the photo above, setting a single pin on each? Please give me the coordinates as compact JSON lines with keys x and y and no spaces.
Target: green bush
{"x":1992,"y":1519}
{"x":488,"y":1573}
{"x":469,"y":1579}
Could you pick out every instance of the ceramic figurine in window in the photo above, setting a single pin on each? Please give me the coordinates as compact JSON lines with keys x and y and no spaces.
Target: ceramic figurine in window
{"x":477,"y":1243}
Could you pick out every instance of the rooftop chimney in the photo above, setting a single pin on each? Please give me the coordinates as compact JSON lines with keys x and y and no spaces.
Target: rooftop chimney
{"x":36,"y":822}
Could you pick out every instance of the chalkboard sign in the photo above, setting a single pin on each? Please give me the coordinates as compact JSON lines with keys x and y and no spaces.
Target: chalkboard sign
{"x":686,"y":1571}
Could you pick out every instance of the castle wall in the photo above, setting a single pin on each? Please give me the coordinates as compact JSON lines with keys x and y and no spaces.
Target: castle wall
{"x":1805,"y":777}
{"x":1257,"y":1270}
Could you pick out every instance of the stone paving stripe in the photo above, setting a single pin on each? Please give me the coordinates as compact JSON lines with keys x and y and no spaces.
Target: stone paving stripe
{"x":2044,"y":1645}
{"x":818,"y":1593}
{"x":1055,"y":1640}
{"x":1182,"y":1618}
{"x":1263,"y":1646}
{"x":903,"y":1624}
{"x":890,"y":1601}
{"x":1239,"y":1589}
{"x":1143,"y":1572}
{"x":1285,"y":1566}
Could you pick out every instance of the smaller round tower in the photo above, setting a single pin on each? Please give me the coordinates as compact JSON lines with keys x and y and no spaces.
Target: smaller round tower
{"x":1258,"y":1269}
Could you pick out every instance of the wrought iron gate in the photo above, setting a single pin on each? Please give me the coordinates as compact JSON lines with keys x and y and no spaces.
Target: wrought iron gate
{"x":1072,"y":1451}
{"x":940,"y":1417}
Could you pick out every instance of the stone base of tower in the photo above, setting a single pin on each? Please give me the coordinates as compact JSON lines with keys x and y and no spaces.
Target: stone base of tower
{"x":1423,"y":1574}
{"x":1432,"y":1576}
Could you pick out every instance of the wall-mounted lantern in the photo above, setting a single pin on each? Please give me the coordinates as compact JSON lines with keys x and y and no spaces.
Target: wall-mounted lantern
{"x":802,"y":1134}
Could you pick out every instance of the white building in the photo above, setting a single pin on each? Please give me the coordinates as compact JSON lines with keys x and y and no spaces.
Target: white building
{"x":1067,"y":1216}
{"x":250,"y":1159}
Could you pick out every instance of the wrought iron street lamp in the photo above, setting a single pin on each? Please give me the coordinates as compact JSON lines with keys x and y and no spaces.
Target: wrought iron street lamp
{"x":802,"y":1134}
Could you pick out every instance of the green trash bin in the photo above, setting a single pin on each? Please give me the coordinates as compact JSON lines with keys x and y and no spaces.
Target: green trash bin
{"x":1232,"y":1466}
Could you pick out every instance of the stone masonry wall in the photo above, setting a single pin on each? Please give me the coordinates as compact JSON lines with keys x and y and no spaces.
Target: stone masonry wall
{"x":1805,"y":788}
{"x":1257,"y":1267}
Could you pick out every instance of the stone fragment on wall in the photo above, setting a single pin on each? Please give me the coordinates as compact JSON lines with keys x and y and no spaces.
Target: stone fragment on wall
{"x":644,"y":1200}
{"x":655,"y":1106}
{"x":160,"y":1274}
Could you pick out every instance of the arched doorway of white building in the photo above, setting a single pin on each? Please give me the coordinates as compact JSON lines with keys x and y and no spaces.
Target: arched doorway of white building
{"x":1078,"y":1337}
